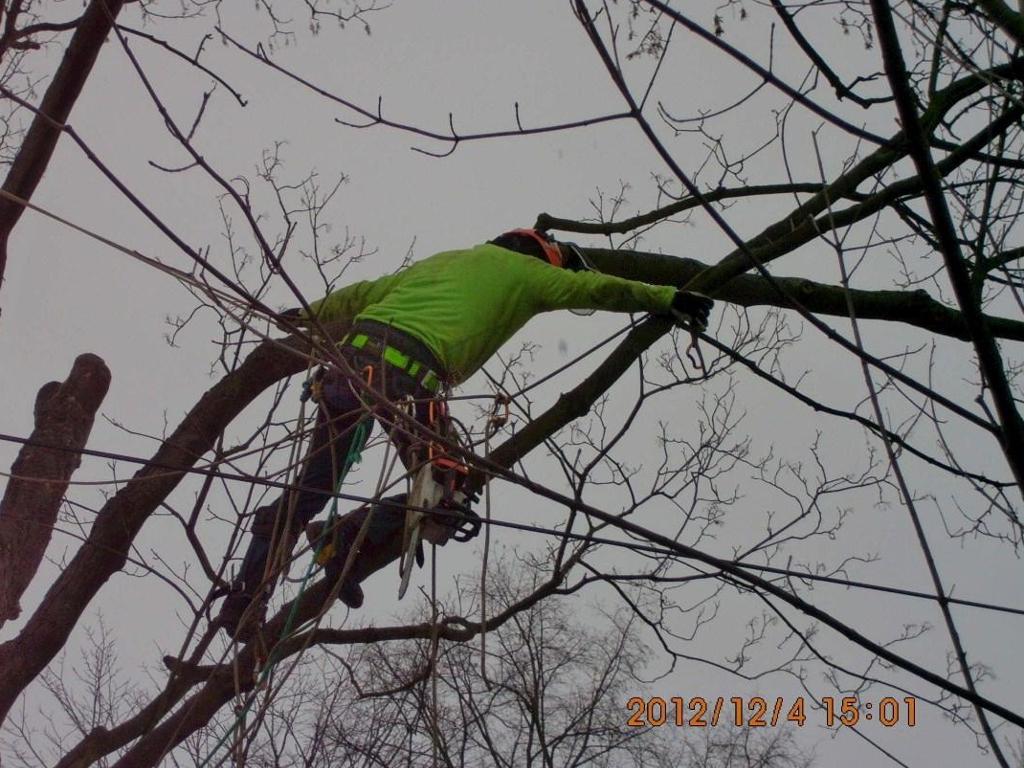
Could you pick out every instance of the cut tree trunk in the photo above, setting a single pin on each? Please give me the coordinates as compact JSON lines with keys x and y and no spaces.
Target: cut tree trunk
{"x":64,"y":414}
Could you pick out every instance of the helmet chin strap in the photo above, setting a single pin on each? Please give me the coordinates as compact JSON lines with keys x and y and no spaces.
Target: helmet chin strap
{"x":578,"y":261}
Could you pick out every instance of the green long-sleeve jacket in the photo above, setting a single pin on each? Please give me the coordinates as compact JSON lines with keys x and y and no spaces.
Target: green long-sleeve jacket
{"x":465,"y":304}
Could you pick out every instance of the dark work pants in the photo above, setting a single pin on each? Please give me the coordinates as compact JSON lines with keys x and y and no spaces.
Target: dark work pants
{"x":341,"y":412}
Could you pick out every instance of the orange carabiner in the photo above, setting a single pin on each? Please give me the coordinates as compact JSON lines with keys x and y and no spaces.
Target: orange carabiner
{"x":436,"y":410}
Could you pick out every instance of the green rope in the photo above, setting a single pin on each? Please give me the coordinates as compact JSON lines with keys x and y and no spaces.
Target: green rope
{"x":354,"y":456}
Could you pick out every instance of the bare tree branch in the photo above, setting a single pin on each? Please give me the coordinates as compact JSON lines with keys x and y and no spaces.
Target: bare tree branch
{"x":989,"y":357}
{"x":37,"y":148}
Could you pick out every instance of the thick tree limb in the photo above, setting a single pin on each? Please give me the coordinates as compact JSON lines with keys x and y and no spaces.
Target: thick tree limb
{"x":915,"y":308}
{"x":64,"y":416}
{"x":1008,"y":20}
{"x":41,"y":139}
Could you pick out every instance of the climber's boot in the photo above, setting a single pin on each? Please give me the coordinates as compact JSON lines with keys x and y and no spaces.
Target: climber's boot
{"x":381,"y":545}
{"x":242,"y":613}
{"x":245,"y":607}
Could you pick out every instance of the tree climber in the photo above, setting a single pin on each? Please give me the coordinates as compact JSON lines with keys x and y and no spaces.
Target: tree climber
{"x":427,"y":327}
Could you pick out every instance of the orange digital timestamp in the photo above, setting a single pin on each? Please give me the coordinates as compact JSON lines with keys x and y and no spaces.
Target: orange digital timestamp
{"x":759,"y":712}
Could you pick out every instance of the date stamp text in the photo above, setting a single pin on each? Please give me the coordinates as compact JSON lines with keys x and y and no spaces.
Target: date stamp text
{"x":759,"y":712}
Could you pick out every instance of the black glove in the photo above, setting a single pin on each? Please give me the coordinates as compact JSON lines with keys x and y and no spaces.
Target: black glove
{"x":691,"y":309}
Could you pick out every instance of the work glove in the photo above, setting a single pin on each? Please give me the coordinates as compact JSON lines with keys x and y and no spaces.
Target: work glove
{"x":691,"y":309}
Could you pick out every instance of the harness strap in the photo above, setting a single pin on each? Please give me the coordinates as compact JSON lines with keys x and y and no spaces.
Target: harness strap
{"x":394,"y":357}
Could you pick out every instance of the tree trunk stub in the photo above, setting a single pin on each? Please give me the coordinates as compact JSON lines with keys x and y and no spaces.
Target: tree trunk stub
{"x":64,"y":414}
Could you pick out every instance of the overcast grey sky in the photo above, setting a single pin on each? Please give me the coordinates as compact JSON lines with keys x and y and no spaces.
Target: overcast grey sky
{"x":64,"y":294}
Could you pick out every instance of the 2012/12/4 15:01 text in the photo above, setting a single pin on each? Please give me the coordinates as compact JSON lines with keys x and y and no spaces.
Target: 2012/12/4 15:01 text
{"x":759,"y":712}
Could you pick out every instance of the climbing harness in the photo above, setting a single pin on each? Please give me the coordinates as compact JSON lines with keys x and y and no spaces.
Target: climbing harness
{"x":427,"y":378}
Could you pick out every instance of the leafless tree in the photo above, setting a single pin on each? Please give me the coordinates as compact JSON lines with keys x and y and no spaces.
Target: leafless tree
{"x":890,"y":182}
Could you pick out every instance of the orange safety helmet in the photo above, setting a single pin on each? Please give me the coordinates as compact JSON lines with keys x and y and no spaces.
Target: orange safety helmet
{"x":547,"y":245}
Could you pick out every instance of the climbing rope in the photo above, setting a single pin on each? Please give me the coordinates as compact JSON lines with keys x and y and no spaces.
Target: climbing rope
{"x":434,"y":645}
{"x":498,"y":418}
